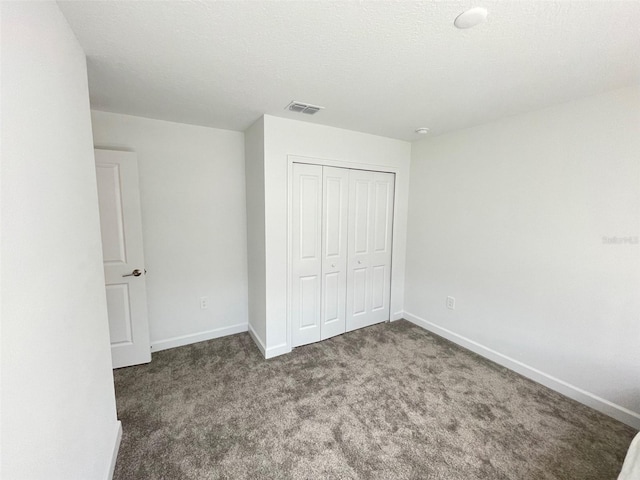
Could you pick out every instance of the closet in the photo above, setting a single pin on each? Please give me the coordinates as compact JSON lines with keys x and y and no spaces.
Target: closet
{"x":341,"y":229}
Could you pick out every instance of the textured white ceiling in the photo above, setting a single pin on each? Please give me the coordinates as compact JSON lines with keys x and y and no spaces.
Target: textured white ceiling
{"x":378,"y":67}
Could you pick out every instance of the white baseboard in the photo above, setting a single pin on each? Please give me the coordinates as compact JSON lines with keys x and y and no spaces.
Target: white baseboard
{"x":396,"y":316}
{"x":277,"y":350}
{"x":587,"y":398}
{"x":257,"y":340}
{"x":270,"y":352}
{"x":197,"y":337}
{"x":116,"y":448}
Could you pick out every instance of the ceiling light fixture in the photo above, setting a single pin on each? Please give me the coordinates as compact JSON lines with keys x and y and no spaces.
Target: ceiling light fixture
{"x":422,"y":130}
{"x":471,"y":18}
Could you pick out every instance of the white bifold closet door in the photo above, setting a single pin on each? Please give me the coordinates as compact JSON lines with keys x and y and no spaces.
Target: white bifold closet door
{"x":306,"y":253}
{"x":334,"y":251}
{"x":369,"y":250}
{"x":341,"y":250}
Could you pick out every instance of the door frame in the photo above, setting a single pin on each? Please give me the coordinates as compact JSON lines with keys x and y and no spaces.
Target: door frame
{"x":324,"y":162}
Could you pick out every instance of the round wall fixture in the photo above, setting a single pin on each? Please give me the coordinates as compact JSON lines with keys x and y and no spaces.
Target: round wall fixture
{"x":422,"y":130}
{"x":471,"y":18}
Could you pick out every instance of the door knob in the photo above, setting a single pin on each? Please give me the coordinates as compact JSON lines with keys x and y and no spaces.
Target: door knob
{"x":359,"y":262}
{"x":135,"y":273}
{"x":333,"y":265}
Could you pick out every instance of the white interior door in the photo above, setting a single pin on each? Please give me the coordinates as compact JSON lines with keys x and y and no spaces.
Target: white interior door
{"x":121,"y":228}
{"x":369,"y":248}
{"x":306,"y":252}
{"x":334,"y":251}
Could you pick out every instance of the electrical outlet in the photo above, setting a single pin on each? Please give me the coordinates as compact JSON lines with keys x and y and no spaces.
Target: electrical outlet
{"x":204,"y":302}
{"x":451,"y":303}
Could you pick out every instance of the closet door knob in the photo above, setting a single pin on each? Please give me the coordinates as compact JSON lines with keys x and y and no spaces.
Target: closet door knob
{"x":333,"y":265}
{"x":359,"y":262}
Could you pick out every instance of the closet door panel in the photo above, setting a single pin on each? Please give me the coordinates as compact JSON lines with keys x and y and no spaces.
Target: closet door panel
{"x":308,"y":289}
{"x":359,"y":213}
{"x":369,"y":263}
{"x":334,"y":251}
{"x":358,"y":274}
{"x":331,"y":294}
{"x":378,"y":289}
{"x":359,"y":294}
{"x":381,"y":238}
{"x":306,"y":253}
{"x":383,"y":210}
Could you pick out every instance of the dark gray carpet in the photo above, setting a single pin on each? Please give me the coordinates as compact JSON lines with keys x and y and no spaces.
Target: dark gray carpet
{"x":390,"y":401}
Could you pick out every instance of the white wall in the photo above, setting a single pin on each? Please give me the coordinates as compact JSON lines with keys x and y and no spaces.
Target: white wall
{"x":284,"y":138}
{"x":254,"y":173}
{"x":509,"y":218}
{"x":193,"y":223}
{"x":58,"y":404}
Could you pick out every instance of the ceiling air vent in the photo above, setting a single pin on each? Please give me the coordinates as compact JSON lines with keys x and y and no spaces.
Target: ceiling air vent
{"x":303,"y":108}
